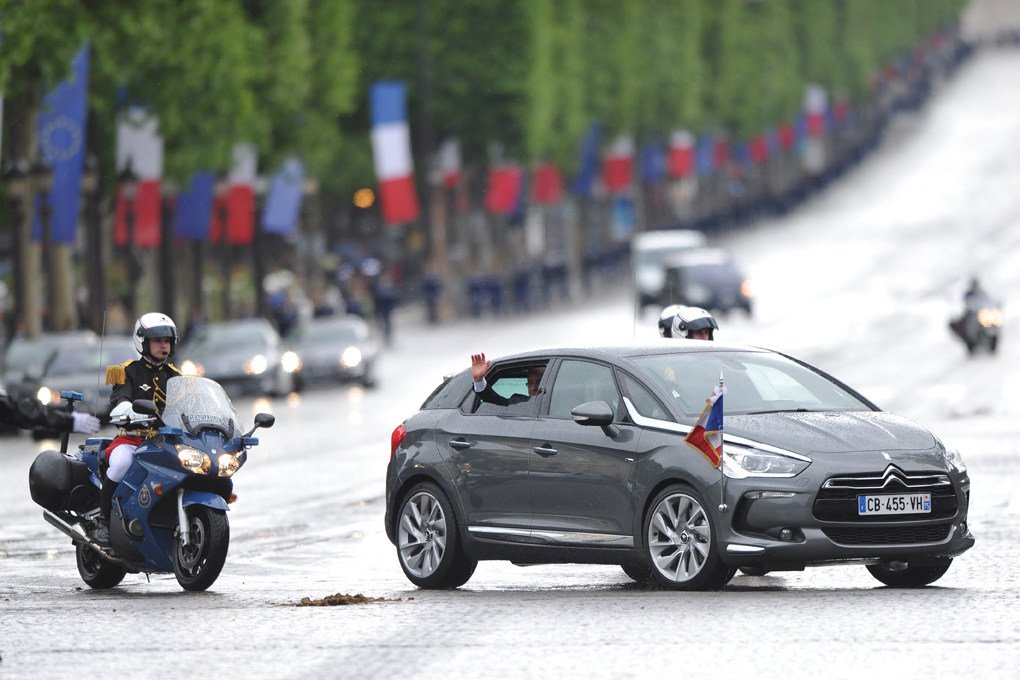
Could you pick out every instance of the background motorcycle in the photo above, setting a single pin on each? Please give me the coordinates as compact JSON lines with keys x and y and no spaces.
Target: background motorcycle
{"x":980,"y":325}
{"x":180,"y":477}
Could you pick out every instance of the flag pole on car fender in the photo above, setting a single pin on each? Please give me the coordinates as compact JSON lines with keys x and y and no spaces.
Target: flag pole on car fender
{"x":722,"y":461}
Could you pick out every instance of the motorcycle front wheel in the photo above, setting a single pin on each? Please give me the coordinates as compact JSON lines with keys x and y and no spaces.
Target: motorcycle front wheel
{"x":198,"y":564}
{"x":95,"y":571}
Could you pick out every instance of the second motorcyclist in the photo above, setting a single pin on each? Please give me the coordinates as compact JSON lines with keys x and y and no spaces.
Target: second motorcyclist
{"x":692,"y":323}
{"x":155,"y":338}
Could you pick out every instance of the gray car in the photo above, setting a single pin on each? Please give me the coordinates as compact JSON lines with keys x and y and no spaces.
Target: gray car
{"x":594,"y":468}
{"x":245,"y":357}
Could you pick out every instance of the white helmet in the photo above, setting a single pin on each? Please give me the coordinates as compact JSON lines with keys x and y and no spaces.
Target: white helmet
{"x":154,"y":325}
{"x":690,"y":319}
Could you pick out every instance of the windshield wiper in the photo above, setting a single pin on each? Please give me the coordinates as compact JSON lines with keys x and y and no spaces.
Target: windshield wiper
{"x":783,"y":410}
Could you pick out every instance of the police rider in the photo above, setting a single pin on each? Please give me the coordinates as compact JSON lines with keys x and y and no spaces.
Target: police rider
{"x":155,"y":338}
{"x":692,"y":323}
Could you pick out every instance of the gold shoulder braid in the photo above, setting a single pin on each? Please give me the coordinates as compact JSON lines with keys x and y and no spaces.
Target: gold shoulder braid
{"x":116,"y":375}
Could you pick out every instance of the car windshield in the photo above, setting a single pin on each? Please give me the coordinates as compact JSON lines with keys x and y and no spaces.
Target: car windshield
{"x":86,"y":358}
{"x":337,"y":333}
{"x":228,"y":338}
{"x":756,"y":382}
{"x":194,"y":403}
{"x":24,"y":356}
{"x":709,"y":274}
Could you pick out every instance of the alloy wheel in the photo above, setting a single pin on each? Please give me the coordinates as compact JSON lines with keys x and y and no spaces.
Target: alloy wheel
{"x":422,"y":534}
{"x":679,"y":537}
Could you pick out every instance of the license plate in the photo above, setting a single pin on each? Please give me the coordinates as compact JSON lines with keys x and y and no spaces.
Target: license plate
{"x":894,"y":504}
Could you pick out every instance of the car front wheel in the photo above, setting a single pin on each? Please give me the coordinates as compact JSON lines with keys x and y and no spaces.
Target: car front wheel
{"x":680,"y":544}
{"x":428,"y":541}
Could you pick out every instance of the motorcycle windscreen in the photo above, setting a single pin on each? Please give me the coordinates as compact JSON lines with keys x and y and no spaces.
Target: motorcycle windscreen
{"x":194,"y":404}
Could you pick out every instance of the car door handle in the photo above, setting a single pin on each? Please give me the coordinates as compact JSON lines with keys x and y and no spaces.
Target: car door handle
{"x":460,"y":443}
{"x":545,"y":451}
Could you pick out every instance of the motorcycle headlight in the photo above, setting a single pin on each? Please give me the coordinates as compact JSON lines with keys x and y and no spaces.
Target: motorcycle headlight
{"x":291,"y":362}
{"x":194,"y":460}
{"x":747,"y":461}
{"x":228,"y":464}
{"x":45,"y":395}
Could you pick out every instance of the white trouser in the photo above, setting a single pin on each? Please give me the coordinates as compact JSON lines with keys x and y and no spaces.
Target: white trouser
{"x":120,"y":460}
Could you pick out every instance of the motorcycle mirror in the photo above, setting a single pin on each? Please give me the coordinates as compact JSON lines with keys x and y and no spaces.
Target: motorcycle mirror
{"x":265,"y":420}
{"x":144,"y":406}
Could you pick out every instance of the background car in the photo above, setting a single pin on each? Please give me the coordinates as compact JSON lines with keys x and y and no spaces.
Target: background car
{"x":597,"y":468}
{"x":80,"y":366}
{"x":334,"y":349}
{"x":245,"y":357}
{"x":651,"y":251}
{"x":709,"y":279}
{"x":27,"y":359}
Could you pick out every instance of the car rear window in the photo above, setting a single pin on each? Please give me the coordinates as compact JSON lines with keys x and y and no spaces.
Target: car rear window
{"x":450,"y":392}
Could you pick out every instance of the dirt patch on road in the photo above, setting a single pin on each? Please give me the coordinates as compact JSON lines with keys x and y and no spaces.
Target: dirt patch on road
{"x":340,"y":599}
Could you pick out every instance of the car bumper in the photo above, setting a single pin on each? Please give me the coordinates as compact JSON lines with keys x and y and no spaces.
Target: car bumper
{"x":331,"y":373}
{"x":785,"y":534}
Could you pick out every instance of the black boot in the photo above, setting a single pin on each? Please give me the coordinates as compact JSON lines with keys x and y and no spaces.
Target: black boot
{"x":102,"y":533}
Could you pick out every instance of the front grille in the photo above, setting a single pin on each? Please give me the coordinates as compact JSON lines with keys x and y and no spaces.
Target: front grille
{"x":837,"y":499}
{"x":888,"y":535}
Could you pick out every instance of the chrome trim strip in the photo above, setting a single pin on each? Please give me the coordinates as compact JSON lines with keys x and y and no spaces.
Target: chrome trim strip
{"x":657,"y":424}
{"x":561,"y":537}
{"x":891,"y":472}
{"x":740,"y":549}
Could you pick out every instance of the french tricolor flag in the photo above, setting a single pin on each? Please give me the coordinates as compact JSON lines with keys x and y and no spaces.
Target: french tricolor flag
{"x":681,"y":154}
{"x":449,"y":163}
{"x":140,"y":147}
{"x":618,"y":170}
{"x":391,"y":150}
{"x":707,"y":435}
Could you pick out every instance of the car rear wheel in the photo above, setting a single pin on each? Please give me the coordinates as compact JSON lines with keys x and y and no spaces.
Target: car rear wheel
{"x":911,"y":577}
{"x":428,"y":540}
{"x":680,"y":544}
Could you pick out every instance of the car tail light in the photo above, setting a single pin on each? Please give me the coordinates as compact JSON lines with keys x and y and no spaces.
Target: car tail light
{"x":397,"y":438}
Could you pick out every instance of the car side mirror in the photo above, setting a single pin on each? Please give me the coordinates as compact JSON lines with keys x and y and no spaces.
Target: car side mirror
{"x":146,"y":407}
{"x":593,"y":413}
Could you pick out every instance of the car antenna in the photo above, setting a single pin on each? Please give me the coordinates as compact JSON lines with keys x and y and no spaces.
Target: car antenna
{"x":99,"y":371}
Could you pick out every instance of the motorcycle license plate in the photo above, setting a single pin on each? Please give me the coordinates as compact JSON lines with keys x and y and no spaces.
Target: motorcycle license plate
{"x":894,"y":504}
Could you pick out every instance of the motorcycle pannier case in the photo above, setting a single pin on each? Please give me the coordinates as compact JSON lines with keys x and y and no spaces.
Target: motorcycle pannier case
{"x":53,"y":476}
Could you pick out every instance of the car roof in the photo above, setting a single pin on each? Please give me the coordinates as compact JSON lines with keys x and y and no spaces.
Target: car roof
{"x":616,"y":352}
{"x":704,"y":256}
{"x":674,"y":238}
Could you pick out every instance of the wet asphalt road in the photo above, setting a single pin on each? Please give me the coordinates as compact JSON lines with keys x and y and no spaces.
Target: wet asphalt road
{"x":860,"y":282}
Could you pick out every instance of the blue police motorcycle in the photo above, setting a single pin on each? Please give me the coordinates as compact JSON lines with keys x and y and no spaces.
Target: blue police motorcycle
{"x":169,"y":511}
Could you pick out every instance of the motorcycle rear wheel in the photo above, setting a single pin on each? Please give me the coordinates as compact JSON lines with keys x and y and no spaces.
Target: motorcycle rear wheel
{"x":198,"y":564}
{"x":95,"y":571}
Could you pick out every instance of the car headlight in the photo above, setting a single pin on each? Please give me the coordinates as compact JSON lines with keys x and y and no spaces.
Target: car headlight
{"x":351,"y":357}
{"x":45,"y":395}
{"x":290,"y":361}
{"x":748,"y":461}
{"x":257,"y":365}
{"x":953,"y":458}
{"x":194,"y":460}
{"x":228,"y":464}
{"x":188,"y":368}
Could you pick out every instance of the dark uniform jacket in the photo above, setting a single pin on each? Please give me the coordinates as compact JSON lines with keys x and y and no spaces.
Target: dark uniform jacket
{"x":28,"y":413}
{"x":140,"y":379}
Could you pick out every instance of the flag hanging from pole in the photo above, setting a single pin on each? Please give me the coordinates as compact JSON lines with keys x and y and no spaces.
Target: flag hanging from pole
{"x":140,"y":147}
{"x":391,"y":151}
{"x":707,"y":435}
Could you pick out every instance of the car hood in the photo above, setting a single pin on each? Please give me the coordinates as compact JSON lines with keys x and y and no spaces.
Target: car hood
{"x":229,"y":363}
{"x":832,"y":431}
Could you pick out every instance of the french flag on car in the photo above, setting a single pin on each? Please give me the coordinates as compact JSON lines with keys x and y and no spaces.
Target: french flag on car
{"x":391,"y":151}
{"x":707,"y":435}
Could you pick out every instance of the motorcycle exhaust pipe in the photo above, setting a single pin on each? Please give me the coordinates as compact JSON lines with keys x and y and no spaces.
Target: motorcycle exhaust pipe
{"x":78,"y":535}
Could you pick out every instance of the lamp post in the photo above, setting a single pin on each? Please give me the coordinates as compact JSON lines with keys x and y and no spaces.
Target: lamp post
{"x":223,"y":214}
{"x":42,"y":180}
{"x":94,"y":244}
{"x":15,"y":178}
{"x":128,"y":183}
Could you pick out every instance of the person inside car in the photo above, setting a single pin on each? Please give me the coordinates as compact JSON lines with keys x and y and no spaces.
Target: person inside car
{"x":479,"y":367}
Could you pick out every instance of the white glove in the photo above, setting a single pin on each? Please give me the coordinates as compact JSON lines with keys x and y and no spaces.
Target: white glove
{"x":123,"y":414}
{"x":85,"y":423}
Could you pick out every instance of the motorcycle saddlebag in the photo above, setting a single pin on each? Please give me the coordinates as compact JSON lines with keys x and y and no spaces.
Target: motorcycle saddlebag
{"x":53,"y":476}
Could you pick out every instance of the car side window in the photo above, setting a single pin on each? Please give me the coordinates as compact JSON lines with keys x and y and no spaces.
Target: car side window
{"x":507,"y":392}
{"x":578,"y":382}
{"x":646,"y":405}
